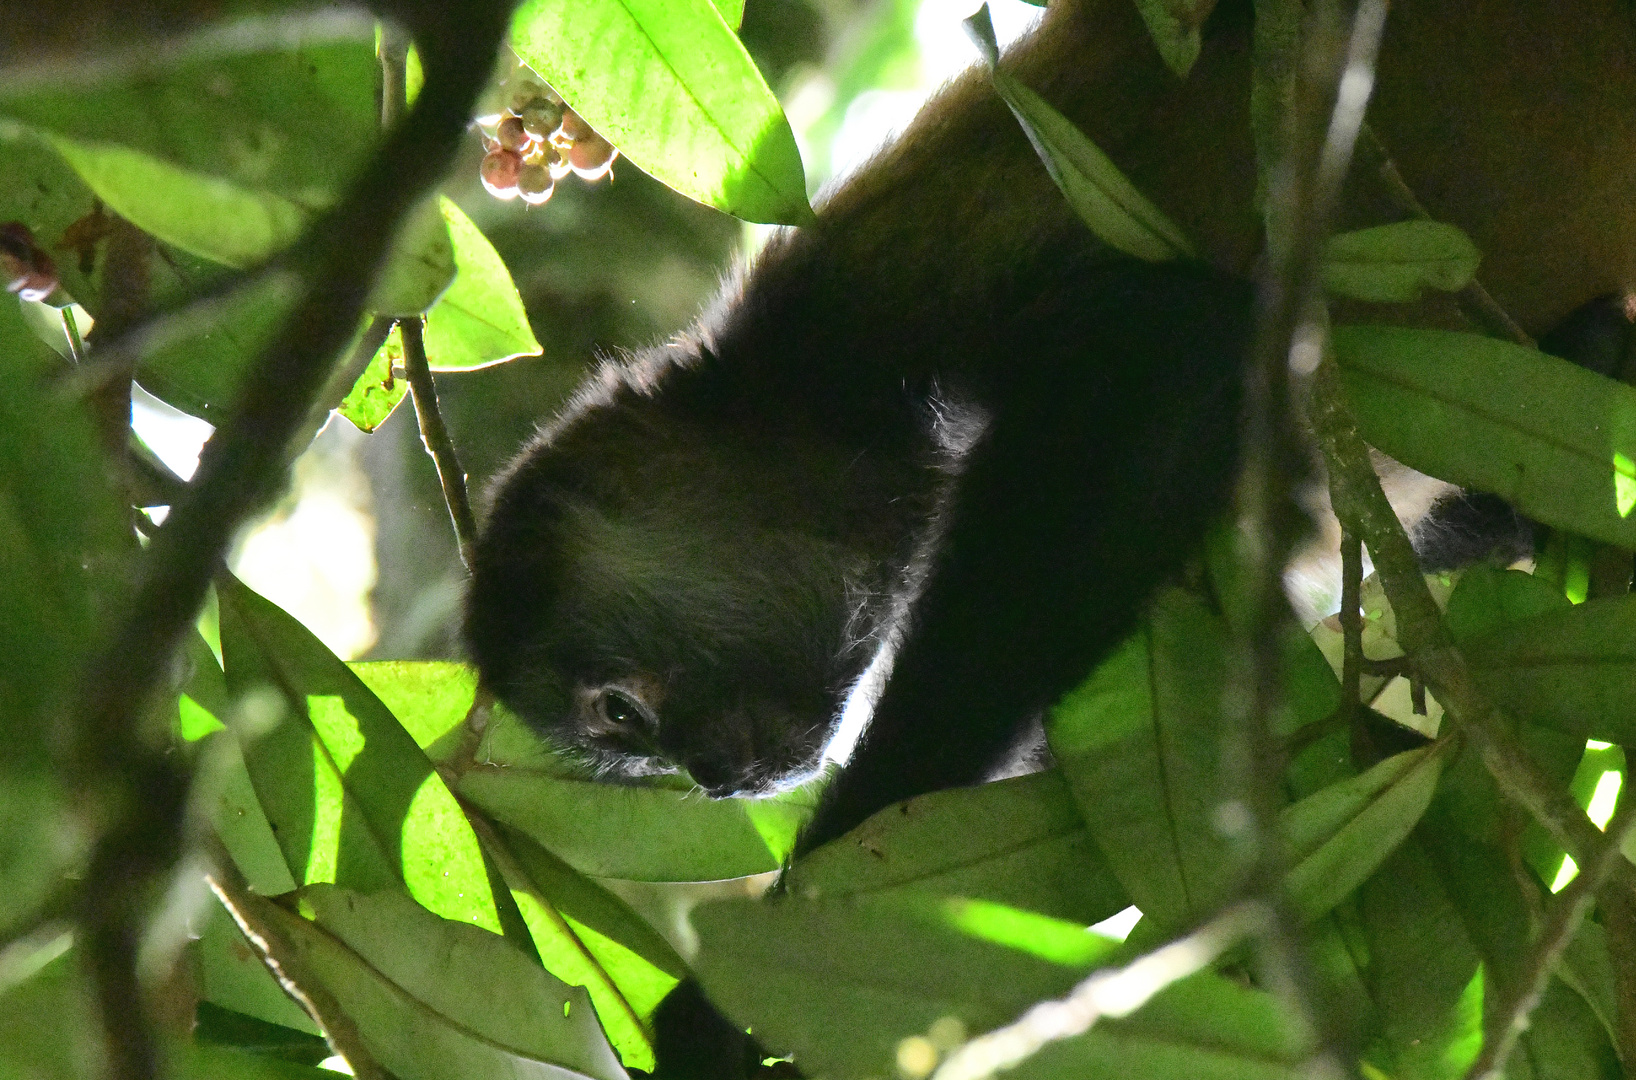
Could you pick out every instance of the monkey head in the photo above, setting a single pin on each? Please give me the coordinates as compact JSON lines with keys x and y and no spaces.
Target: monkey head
{"x":645,"y":610}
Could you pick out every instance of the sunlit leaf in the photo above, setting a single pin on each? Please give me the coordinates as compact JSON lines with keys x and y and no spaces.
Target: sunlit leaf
{"x":378,"y":390}
{"x":684,"y":103}
{"x":1540,"y":432}
{"x":339,"y":760}
{"x":636,"y":833}
{"x":1099,"y":193}
{"x":480,"y":320}
{"x":1019,"y":842}
{"x":1395,"y":263}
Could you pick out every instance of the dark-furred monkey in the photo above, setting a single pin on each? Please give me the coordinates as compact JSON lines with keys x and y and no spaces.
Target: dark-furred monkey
{"x":946,"y":412}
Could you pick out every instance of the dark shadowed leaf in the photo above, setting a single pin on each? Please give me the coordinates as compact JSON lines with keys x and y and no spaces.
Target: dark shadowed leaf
{"x":1175,"y":26}
{"x":684,"y":103}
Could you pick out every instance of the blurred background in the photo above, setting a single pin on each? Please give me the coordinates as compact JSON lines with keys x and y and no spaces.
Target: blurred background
{"x":360,"y":547}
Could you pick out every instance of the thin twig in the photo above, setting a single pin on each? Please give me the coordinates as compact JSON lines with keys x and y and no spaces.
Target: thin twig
{"x":257,"y":919}
{"x":1510,"y":1019}
{"x":1362,"y":507}
{"x":1108,"y":993}
{"x":1334,"y":74}
{"x":113,"y":766}
{"x":435,"y":437}
{"x":1476,"y":301}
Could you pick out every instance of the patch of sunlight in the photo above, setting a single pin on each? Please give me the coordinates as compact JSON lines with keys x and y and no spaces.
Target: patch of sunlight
{"x":1600,"y":808}
{"x":1119,"y":925}
{"x":1566,"y":873}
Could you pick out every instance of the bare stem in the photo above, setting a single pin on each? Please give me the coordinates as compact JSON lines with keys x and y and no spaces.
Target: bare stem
{"x":435,"y":437}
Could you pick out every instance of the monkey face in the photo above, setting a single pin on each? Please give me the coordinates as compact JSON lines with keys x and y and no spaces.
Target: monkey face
{"x":669,"y":639}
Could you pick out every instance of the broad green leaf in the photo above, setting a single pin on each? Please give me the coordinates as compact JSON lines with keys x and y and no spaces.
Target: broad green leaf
{"x":1564,"y":1041}
{"x":339,"y":758}
{"x":1587,"y":968}
{"x":1572,"y":669}
{"x":1488,"y":599}
{"x":419,"y":266}
{"x":889,"y":969}
{"x":1137,"y":744}
{"x":1395,"y":263}
{"x":684,"y":103}
{"x":1099,"y":193}
{"x":436,"y":998}
{"x":43,"y":193}
{"x":480,"y":320}
{"x":732,"y":11}
{"x":1424,"y":972}
{"x":588,"y":937}
{"x":198,"y":357}
{"x":635,"y":833}
{"x":1556,"y":441}
{"x":1175,"y":28}
{"x":428,"y":697}
{"x":378,"y":390}
{"x":1338,"y":836}
{"x":1020,"y":842}
{"x":197,"y":212}
{"x":65,"y":546}
{"x":292,"y":120}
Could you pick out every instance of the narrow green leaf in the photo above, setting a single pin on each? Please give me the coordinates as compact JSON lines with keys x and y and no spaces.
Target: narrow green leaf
{"x":1099,"y":193}
{"x":197,"y":212}
{"x":1553,"y":439}
{"x":230,"y":974}
{"x":435,"y":998}
{"x":377,"y":391}
{"x":480,"y":320}
{"x":684,"y":103}
{"x":1341,"y":834}
{"x":365,"y":770}
{"x":1020,"y":842}
{"x":428,"y":697}
{"x":1395,"y":263}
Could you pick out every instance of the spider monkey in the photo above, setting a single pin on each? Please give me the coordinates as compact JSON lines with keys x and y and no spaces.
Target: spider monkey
{"x":945,"y":418}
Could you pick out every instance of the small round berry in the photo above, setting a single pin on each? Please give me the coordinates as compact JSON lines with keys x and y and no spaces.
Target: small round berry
{"x":534,"y":183}
{"x":573,"y":128}
{"x":510,"y":133}
{"x":499,"y":171}
{"x":556,"y":163}
{"x":541,"y":118}
{"x":591,"y":158}
{"x":524,"y":93}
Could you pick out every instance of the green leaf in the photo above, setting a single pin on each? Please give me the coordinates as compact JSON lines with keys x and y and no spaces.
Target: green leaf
{"x":1392,"y":264}
{"x":684,"y":103}
{"x":197,"y":360}
{"x":195,"y":211}
{"x":1020,"y":842}
{"x":1488,"y":599}
{"x":1556,"y":441}
{"x":1338,"y":836}
{"x":1137,"y":744}
{"x":430,"y":698}
{"x":377,"y":391}
{"x":1175,"y":28}
{"x":588,"y":937}
{"x":1573,"y":669}
{"x":635,"y":833}
{"x":229,"y":797}
{"x":339,"y":777}
{"x":435,"y":998}
{"x":732,"y":11}
{"x":292,"y":121}
{"x":1099,"y":193}
{"x":419,"y":266}
{"x":480,"y":320}
{"x":42,"y":192}
{"x":888,"y":969}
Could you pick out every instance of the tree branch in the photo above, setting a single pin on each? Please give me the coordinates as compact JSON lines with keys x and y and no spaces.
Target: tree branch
{"x":435,"y":437}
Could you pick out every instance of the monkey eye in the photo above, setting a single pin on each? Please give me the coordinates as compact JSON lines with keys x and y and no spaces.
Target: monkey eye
{"x":622,"y":712}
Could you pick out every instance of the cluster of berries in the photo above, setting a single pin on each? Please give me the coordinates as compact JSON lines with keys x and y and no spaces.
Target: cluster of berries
{"x":537,"y":142}
{"x":27,"y":269}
